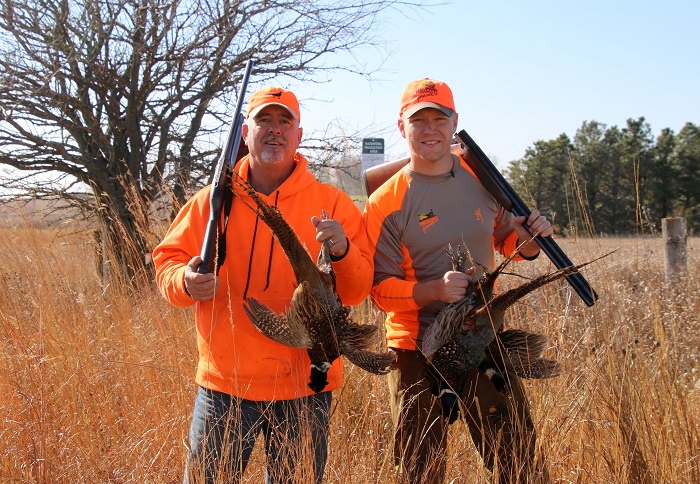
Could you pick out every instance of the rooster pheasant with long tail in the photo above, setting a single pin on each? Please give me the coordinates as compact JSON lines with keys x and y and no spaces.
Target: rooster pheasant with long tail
{"x":466,"y":335}
{"x":316,"y":319}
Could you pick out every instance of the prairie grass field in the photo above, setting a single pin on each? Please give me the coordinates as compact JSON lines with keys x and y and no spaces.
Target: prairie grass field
{"x":97,"y":382}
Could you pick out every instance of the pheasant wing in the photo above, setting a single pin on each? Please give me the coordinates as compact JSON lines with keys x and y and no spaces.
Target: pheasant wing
{"x":527,"y":343}
{"x":355,"y":340}
{"x":360,"y":336}
{"x":377,"y":363}
{"x":520,"y":352}
{"x":446,"y":326}
{"x":541,"y":368}
{"x":279,"y":328}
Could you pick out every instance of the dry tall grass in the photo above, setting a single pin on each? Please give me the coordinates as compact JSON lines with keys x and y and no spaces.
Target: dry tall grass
{"x":98,"y":386}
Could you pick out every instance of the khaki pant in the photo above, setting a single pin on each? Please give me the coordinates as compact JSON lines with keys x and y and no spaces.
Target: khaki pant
{"x":500,"y":425}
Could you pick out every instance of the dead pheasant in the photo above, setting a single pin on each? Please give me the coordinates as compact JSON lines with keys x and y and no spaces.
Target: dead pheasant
{"x":316,"y":319}
{"x":465,"y":335}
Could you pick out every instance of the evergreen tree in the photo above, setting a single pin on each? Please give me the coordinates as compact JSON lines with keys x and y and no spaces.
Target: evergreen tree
{"x":662,"y":179}
{"x":636,"y":159}
{"x":541,"y":174}
{"x":589,"y":157}
{"x":686,"y":162}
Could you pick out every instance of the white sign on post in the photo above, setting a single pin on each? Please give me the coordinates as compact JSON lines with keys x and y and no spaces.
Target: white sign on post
{"x":372,"y":152}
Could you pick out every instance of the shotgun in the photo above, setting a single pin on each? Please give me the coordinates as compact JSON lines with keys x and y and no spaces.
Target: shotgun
{"x":500,"y":189}
{"x":221,"y":179}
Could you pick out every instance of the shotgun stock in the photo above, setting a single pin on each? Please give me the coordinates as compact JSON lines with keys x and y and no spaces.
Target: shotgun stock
{"x":500,"y":189}
{"x":374,"y":177}
{"x":231,"y":153}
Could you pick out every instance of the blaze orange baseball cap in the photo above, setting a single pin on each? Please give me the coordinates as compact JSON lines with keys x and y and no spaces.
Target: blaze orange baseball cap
{"x":427,"y":93}
{"x":276,"y":96}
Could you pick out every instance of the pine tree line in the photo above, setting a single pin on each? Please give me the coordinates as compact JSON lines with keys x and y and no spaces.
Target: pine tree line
{"x":613,"y":181}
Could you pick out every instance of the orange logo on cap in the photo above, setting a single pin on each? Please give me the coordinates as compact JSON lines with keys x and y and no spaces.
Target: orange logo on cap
{"x":426,"y":89}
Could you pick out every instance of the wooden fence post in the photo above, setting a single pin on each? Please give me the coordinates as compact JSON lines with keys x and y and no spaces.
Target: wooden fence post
{"x":674,"y":231}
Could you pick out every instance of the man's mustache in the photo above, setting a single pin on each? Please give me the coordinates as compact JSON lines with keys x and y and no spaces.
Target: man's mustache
{"x":274,"y":139}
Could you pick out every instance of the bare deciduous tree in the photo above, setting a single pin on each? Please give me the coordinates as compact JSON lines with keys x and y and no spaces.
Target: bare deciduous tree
{"x":122,"y":96}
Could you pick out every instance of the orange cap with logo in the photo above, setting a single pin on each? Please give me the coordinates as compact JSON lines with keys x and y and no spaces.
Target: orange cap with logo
{"x":273,"y":96}
{"x":427,"y":93}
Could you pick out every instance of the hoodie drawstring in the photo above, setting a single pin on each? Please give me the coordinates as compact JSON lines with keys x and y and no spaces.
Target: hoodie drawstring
{"x":272,"y":246}
{"x":250,"y":260}
{"x":252,"y":250}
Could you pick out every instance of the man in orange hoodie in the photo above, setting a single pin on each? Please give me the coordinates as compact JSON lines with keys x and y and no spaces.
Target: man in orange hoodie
{"x":247,"y":383}
{"x":434,"y":201}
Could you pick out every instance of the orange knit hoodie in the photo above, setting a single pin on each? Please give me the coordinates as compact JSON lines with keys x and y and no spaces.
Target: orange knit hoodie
{"x":234,"y":357}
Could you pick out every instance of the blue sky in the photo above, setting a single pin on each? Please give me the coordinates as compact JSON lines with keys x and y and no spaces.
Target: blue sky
{"x":526,"y":71}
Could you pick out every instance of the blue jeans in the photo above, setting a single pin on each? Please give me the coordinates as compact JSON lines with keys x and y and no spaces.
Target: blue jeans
{"x":224,"y":430}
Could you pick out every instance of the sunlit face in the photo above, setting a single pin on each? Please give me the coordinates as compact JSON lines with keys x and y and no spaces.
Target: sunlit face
{"x":272,"y":136}
{"x":429,"y":134}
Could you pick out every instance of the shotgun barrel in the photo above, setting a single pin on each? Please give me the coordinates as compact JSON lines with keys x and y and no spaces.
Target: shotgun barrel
{"x":220,"y":179}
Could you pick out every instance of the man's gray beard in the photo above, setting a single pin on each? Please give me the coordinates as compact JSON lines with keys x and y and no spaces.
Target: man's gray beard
{"x":270,"y":157}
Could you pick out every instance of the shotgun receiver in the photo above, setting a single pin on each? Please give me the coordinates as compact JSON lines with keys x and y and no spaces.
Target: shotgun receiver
{"x":500,"y":189}
{"x":221,"y":180}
